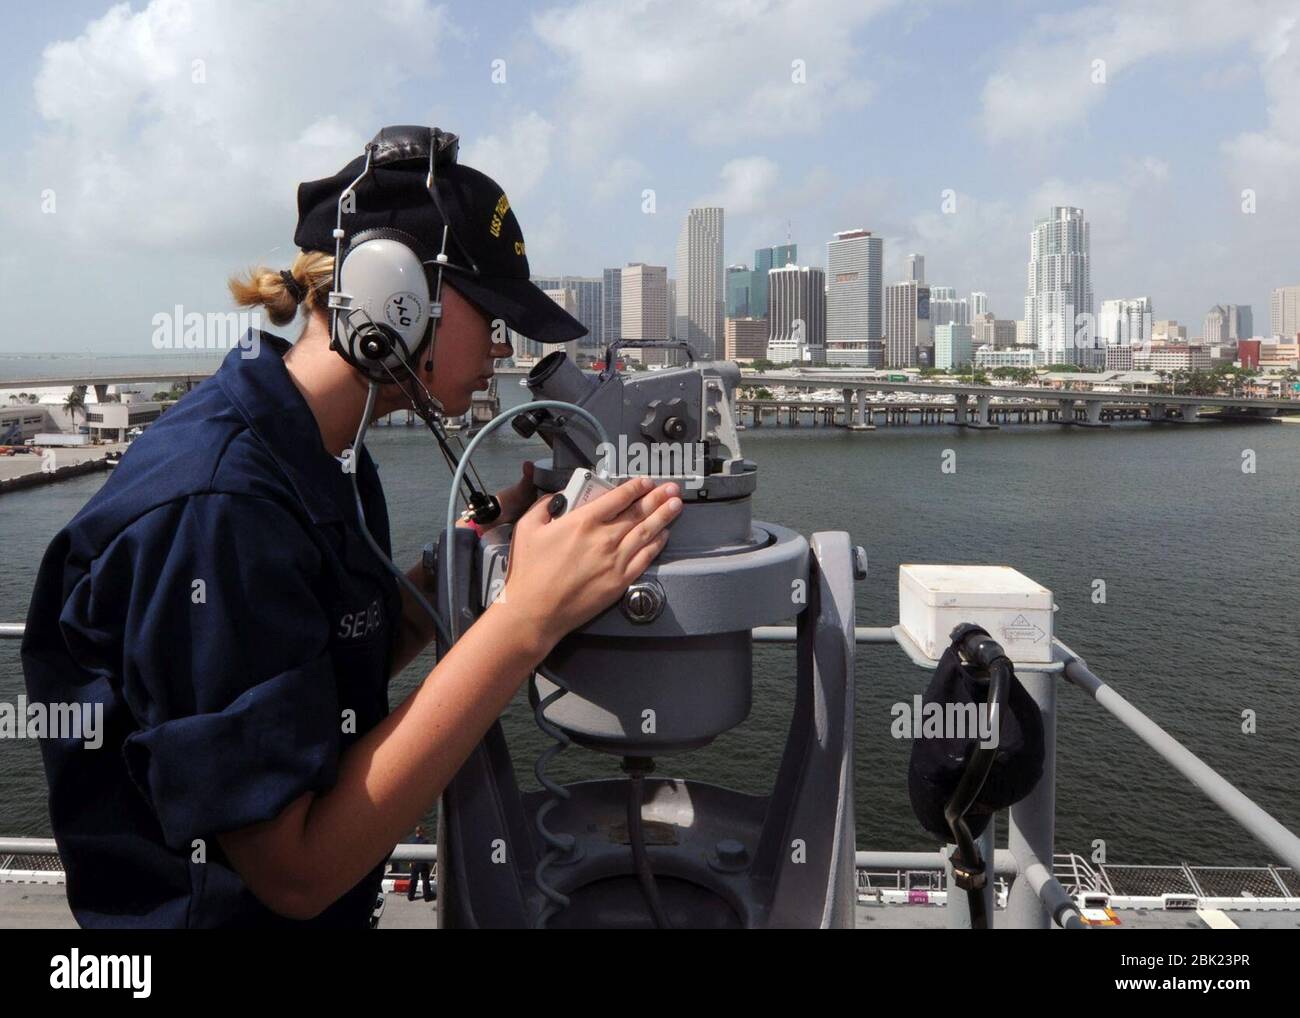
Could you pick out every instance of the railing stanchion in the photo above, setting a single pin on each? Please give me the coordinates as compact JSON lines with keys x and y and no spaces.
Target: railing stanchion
{"x":1032,"y":823}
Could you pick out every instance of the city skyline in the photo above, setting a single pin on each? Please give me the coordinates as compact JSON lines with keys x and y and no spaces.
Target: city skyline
{"x":147,"y":149}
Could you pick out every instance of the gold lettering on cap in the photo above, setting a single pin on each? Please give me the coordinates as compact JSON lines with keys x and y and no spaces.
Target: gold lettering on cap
{"x":498,"y":214}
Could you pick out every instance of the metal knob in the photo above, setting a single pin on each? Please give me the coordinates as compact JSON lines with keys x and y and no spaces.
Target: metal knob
{"x":729,"y":856}
{"x":643,"y":601}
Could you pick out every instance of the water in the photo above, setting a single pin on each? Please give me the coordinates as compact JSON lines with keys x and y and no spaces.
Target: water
{"x":35,"y":366}
{"x":1202,"y":578}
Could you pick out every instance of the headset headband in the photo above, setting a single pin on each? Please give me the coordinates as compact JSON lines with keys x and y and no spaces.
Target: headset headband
{"x":382,"y":320}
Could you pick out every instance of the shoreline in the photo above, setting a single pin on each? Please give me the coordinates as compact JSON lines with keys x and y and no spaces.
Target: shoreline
{"x":29,"y":473}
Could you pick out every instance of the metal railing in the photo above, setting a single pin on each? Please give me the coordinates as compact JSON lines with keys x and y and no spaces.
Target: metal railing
{"x":1037,"y":897}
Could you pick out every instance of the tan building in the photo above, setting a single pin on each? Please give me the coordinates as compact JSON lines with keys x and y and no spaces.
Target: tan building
{"x":1279,"y":356}
{"x":746,"y":339}
{"x":1171,"y":357}
{"x":645,"y":310}
{"x":1168,"y":331}
{"x":999,"y":333}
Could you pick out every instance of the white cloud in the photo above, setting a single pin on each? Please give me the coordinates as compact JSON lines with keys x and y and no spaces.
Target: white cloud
{"x":171,"y":139}
{"x":1049,"y":78}
{"x":518,"y":158}
{"x":619,"y":179}
{"x":1268,"y":161}
{"x":983,"y":244}
{"x":183,"y":122}
{"x":747,"y":186}
{"x":716,"y":74}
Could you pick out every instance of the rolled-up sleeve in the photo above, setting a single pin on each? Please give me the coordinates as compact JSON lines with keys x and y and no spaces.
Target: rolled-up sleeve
{"x":226,"y":666}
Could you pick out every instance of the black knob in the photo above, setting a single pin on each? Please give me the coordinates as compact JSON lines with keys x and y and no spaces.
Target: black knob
{"x":527,"y":423}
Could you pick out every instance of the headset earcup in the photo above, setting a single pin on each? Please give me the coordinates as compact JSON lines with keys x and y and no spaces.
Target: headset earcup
{"x":387,"y":320}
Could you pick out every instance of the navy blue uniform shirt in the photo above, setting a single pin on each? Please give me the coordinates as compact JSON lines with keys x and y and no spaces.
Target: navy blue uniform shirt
{"x":217,"y":597}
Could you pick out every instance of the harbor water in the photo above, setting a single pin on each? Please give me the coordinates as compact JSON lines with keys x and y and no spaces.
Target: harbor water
{"x":1176,"y":573}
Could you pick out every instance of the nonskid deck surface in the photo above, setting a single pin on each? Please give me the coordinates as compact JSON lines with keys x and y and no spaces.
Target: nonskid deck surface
{"x":43,"y":906}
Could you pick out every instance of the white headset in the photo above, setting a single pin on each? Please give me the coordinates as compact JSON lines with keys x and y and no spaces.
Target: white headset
{"x":384,"y":306}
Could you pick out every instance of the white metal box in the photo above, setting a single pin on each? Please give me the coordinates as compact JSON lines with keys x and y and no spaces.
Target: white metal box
{"x":1016,"y":611}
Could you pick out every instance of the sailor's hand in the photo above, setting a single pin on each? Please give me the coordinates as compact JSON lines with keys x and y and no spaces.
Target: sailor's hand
{"x":563,"y":572}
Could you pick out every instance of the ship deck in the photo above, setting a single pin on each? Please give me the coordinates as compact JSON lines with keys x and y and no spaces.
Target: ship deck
{"x":44,"y":906}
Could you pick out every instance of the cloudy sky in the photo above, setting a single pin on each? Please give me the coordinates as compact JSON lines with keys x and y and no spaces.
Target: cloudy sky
{"x":151,"y":149}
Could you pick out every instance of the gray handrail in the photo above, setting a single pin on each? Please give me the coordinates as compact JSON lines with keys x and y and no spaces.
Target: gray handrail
{"x":1257,"y":821}
{"x":1227,"y":796}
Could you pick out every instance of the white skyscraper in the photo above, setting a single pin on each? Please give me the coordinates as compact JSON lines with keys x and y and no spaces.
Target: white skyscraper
{"x":946,"y":308}
{"x":914,"y":268}
{"x":1227,"y":323}
{"x":854,"y":329}
{"x":1125,"y":321}
{"x":979,"y":304}
{"x":1284,"y":311}
{"x":796,"y":297}
{"x":1060,"y":285}
{"x":701,"y":292}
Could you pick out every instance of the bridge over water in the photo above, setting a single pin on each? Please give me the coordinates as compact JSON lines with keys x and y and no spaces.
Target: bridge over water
{"x":973,"y":404}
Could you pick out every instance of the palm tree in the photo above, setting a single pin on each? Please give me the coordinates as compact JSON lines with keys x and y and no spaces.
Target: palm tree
{"x":74,"y":404}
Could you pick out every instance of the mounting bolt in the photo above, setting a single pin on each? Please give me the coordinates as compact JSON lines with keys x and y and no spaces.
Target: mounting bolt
{"x":643,"y":602}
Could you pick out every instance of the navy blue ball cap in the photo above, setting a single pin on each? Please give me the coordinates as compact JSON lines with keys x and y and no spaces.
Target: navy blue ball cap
{"x":484,"y":229}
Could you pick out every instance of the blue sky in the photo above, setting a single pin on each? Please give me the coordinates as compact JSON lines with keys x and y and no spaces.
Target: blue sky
{"x":163,"y":185}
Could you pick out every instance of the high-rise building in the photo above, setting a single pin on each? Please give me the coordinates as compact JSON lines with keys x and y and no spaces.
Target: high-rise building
{"x":854,"y":299}
{"x":979,"y":304}
{"x":645,"y":309}
{"x":611,"y":316}
{"x":529,"y":349}
{"x":946,"y":306}
{"x":672,"y":314}
{"x":567,"y":297}
{"x":588,"y":298}
{"x":1227,"y":323}
{"x":700,"y":289}
{"x":953,"y":346}
{"x":1168,"y":331}
{"x":739,"y":280}
{"x":746,"y":339}
{"x":766,"y":259}
{"x":796,"y":300}
{"x":1284,"y":311}
{"x":1125,"y":321}
{"x":907,"y":325}
{"x":914,"y":268}
{"x":998,"y":333}
{"x":1060,"y":284}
